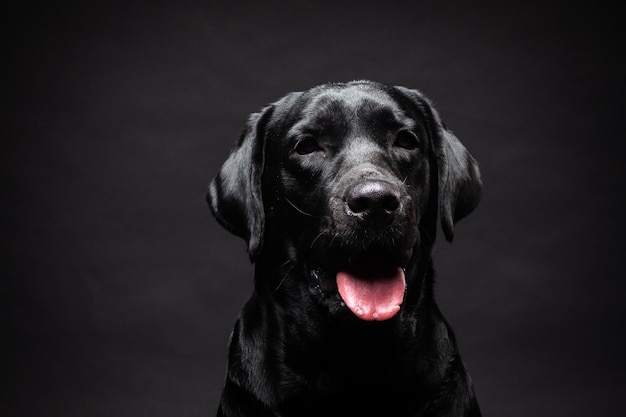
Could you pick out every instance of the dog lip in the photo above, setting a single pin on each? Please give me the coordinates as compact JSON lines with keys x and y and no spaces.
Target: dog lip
{"x":374,"y":256}
{"x":324,"y":272}
{"x":341,"y":255}
{"x":381,"y":255}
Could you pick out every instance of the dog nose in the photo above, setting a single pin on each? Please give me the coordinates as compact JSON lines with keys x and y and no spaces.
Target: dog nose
{"x":376,"y":200}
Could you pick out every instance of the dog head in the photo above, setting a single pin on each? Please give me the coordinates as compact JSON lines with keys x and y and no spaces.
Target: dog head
{"x":346,"y":182}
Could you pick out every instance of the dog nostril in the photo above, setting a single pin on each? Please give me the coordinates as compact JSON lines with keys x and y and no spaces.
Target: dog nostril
{"x":373,"y":197}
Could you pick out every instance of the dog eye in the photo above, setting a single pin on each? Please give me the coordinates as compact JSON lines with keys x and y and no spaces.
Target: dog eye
{"x":406,"y":140}
{"x":307,"y":146}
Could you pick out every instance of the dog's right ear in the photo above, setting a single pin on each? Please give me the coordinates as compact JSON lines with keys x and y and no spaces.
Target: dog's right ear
{"x":235,"y":193}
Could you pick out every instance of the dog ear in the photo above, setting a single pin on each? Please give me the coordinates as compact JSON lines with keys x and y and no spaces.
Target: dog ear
{"x":235,"y":193}
{"x":459,"y":182}
{"x":460,"y":186}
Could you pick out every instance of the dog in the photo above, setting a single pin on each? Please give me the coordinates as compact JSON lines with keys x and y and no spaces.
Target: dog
{"x":338,"y":192}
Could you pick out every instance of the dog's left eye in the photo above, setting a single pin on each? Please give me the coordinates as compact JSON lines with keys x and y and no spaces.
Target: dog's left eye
{"x":307,"y":146}
{"x":406,"y":140}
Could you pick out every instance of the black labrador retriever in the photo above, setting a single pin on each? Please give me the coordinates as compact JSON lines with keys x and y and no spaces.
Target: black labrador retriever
{"x":336,"y":191}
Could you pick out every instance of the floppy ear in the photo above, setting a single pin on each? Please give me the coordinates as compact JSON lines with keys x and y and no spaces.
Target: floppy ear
{"x":235,"y":193}
{"x":459,"y":182}
{"x":460,"y":186}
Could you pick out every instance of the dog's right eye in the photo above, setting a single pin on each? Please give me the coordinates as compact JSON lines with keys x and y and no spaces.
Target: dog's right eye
{"x":406,"y":140}
{"x":307,"y":146}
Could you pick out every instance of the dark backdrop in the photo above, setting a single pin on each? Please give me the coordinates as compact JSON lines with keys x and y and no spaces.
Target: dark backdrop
{"x":120,"y":289}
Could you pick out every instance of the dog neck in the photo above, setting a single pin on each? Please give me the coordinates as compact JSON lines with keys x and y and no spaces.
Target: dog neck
{"x":308,"y":346}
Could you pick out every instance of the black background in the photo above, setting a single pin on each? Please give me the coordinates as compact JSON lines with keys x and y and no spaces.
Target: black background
{"x":122,"y":289}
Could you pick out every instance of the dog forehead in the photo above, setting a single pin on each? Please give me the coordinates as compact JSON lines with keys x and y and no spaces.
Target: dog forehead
{"x":348,"y":95}
{"x":353,"y":103}
{"x":343,"y":108}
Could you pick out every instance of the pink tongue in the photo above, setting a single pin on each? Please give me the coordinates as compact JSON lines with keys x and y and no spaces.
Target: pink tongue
{"x":372,"y":293}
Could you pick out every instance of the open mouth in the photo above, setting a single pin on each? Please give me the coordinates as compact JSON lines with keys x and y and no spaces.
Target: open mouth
{"x":371,"y":285}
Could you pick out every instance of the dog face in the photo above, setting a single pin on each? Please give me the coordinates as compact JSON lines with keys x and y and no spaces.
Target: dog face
{"x":344,"y":183}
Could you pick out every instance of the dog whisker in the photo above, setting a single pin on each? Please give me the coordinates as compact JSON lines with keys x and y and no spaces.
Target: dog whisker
{"x":284,"y":276}
{"x":315,"y":240}
{"x":287,"y":262}
{"x":332,"y":240}
{"x":300,"y":210}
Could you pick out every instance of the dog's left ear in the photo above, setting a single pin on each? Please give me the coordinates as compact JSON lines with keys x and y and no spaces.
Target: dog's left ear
{"x":235,"y":194}
{"x":460,"y":185}
{"x":459,"y":182}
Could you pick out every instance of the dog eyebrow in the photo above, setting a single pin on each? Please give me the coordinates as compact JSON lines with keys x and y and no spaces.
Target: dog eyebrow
{"x":323,"y":124}
{"x":385,"y":118}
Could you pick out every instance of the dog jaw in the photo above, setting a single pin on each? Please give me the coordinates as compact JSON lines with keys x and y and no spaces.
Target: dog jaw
{"x":368,"y":284}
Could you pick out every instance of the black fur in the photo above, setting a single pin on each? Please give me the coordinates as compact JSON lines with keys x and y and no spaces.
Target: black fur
{"x":320,"y":181}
